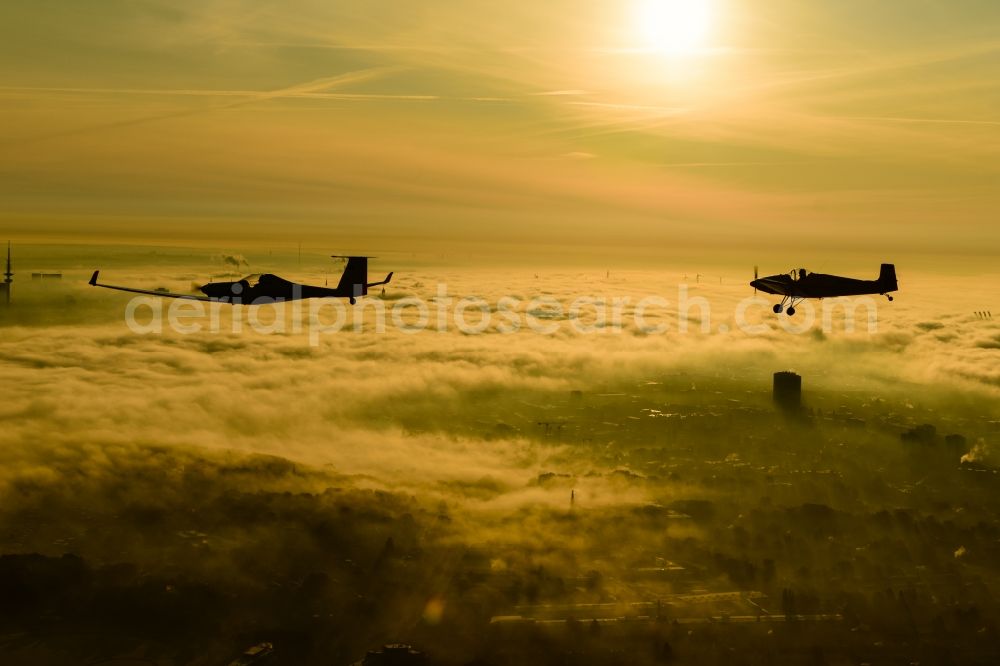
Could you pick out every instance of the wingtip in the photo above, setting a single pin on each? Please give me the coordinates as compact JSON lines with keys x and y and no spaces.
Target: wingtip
{"x":388,"y":277}
{"x":93,"y":278}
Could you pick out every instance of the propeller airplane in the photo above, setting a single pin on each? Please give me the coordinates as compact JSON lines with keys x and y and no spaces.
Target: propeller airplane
{"x":799,"y":284}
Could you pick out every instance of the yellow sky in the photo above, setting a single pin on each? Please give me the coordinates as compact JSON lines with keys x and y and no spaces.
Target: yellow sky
{"x":738,"y":123}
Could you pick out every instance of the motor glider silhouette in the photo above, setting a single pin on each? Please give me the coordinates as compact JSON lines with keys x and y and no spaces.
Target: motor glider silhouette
{"x":798,"y":285}
{"x":268,"y":288}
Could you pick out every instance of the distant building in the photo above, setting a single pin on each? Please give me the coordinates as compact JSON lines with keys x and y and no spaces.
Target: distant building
{"x":394,"y":654}
{"x":46,"y":276}
{"x":957,"y":443}
{"x":257,"y":654}
{"x":925,"y":434}
{"x":787,"y":391}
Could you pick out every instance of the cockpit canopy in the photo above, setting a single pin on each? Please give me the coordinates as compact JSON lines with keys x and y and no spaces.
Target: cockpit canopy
{"x":798,"y":273}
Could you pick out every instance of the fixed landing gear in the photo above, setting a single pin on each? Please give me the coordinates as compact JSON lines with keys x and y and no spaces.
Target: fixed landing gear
{"x":353,"y":300}
{"x":780,"y":307}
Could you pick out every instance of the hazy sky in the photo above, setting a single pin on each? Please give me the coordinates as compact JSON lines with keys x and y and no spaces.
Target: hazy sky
{"x":694,"y":124}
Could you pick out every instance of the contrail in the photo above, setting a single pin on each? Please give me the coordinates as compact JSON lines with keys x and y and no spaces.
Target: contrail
{"x":306,"y":88}
{"x":932,"y":121}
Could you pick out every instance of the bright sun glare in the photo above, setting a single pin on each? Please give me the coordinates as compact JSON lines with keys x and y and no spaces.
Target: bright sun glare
{"x":674,"y":26}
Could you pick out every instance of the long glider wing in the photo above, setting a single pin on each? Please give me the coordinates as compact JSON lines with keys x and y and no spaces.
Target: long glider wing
{"x":150,"y":292}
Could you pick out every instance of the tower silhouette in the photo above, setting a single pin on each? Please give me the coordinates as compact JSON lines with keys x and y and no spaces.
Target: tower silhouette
{"x":787,"y":391}
{"x":8,"y":277}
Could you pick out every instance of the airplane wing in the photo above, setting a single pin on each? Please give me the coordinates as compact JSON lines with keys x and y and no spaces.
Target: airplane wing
{"x":780,"y":287}
{"x":165,"y":294}
{"x":385,"y":281}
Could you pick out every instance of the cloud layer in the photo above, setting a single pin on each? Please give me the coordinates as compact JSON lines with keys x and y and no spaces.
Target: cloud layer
{"x":423,"y":408}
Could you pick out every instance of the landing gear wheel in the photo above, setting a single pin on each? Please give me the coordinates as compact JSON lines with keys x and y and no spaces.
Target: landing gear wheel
{"x":890,"y":299}
{"x":777,"y":308}
{"x":353,"y":300}
{"x":791,"y":312}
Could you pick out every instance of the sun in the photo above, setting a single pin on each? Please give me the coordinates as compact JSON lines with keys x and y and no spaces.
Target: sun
{"x":674,"y":26}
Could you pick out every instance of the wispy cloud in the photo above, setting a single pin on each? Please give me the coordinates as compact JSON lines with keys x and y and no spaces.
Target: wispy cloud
{"x":305,"y":89}
{"x":445,"y":107}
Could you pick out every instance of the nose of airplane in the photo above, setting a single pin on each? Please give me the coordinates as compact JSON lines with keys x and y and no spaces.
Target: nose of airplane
{"x":216,"y":289}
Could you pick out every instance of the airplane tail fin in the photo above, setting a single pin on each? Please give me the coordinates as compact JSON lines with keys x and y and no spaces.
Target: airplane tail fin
{"x":887,"y":277}
{"x":354,"y":281}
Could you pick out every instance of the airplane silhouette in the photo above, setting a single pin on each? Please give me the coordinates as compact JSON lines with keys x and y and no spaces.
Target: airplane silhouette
{"x":267,"y":288}
{"x":800,"y":284}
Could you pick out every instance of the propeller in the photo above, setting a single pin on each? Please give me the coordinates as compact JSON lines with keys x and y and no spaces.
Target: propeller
{"x":755,"y":271}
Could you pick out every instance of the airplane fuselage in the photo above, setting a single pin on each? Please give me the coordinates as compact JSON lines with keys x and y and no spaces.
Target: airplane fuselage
{"x":819,"y":285}
{"x":273,"y":288}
